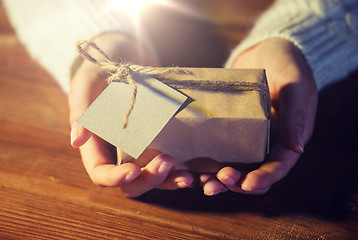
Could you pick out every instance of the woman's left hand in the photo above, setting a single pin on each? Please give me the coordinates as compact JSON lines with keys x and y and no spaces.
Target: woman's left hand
{"x":294,"y":101}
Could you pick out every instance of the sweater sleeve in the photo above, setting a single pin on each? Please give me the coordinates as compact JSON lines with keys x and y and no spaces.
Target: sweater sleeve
{"x":326,"y":32}
{"x":50,"y":29}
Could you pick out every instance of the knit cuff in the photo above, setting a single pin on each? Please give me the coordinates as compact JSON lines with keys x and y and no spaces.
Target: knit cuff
{"x":325,"y":31}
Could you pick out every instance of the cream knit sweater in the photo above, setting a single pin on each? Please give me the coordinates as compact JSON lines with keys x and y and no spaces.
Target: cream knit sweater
{"x":326,"y":31}
{"x":50,"y":29}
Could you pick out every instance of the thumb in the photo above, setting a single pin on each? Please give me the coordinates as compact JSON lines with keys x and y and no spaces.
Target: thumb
{"x":86,"y":85}
{"x":292,"y":109}
{"x":79,"y":135}
{"x":78,"y":104}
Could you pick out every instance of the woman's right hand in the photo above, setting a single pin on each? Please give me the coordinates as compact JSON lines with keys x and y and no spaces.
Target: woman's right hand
{"x":152,"y":169}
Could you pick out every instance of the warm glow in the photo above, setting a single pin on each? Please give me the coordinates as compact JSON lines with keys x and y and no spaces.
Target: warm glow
{"x":132,"y":6}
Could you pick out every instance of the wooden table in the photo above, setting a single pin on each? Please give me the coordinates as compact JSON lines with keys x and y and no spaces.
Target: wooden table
{"x":45,"y":192}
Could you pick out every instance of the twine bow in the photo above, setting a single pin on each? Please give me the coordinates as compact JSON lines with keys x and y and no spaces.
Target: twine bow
{"x":123,"y":72}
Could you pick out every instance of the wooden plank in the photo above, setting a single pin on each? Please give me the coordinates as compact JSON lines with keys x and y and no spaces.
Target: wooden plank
{"x":31,"y":216}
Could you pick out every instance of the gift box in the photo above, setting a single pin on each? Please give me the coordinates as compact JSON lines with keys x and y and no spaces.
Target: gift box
{"x":197,"y":115}
{"x":229,"y":123}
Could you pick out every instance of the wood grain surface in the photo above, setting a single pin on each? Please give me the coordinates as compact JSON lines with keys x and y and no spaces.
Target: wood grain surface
{"x":45,"y":192}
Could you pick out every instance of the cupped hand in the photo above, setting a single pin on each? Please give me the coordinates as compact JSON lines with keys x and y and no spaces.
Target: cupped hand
{"x":136,"y":176}
{"x":294,"y":102}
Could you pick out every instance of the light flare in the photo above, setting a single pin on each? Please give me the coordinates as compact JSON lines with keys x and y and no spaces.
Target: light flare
{"x":133,"y":7}
{"x":134,"y":10}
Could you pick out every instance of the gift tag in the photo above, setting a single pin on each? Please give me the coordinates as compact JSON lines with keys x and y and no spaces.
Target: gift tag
{"x":155,"y":104}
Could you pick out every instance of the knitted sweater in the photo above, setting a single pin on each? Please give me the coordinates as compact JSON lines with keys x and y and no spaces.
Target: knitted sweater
{"x":326,"y":31}
{"x":50,"y":29}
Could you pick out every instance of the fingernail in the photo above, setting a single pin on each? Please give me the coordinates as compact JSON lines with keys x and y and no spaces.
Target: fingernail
{"x":213,"y":193}
{"x":299,"y":139}
{"x":130,"y":176}
{"x":165,"y":167}
{"x":182,"y":184}
{"x":229,"y":181}
{"x":247,"y":188}
{"x":74,"y":132}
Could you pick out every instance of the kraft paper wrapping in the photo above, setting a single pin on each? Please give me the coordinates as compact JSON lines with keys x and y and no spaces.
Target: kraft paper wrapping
{"x":195,"y":126}
{"x":227,"y":126}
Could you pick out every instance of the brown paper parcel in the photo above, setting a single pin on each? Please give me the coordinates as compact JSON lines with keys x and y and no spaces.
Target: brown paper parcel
{"x":227,"y":126}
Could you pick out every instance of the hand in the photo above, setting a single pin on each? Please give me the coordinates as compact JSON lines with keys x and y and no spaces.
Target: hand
{"x":294,"y":101}
{"x":152,"y":169}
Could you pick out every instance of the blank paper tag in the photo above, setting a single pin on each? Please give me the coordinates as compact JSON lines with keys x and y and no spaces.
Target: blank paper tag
{"x":155,"y":105}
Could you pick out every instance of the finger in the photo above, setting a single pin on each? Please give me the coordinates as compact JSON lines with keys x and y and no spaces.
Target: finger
{"x":97,"y":157}
{"x":297,"y":105}
{"x":280,"y":162}
{"x":177,"y":179}
{"x":142,"y":160}
{"x":292,"y":104}
{"x":203,"y":178}
{"x":213,"y":187}
{"x":86,"y":85}
{"x":231,"y":178}
{"x":110,"y":175}
{"x":153,"y":175}
{"x":79,"y":135}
